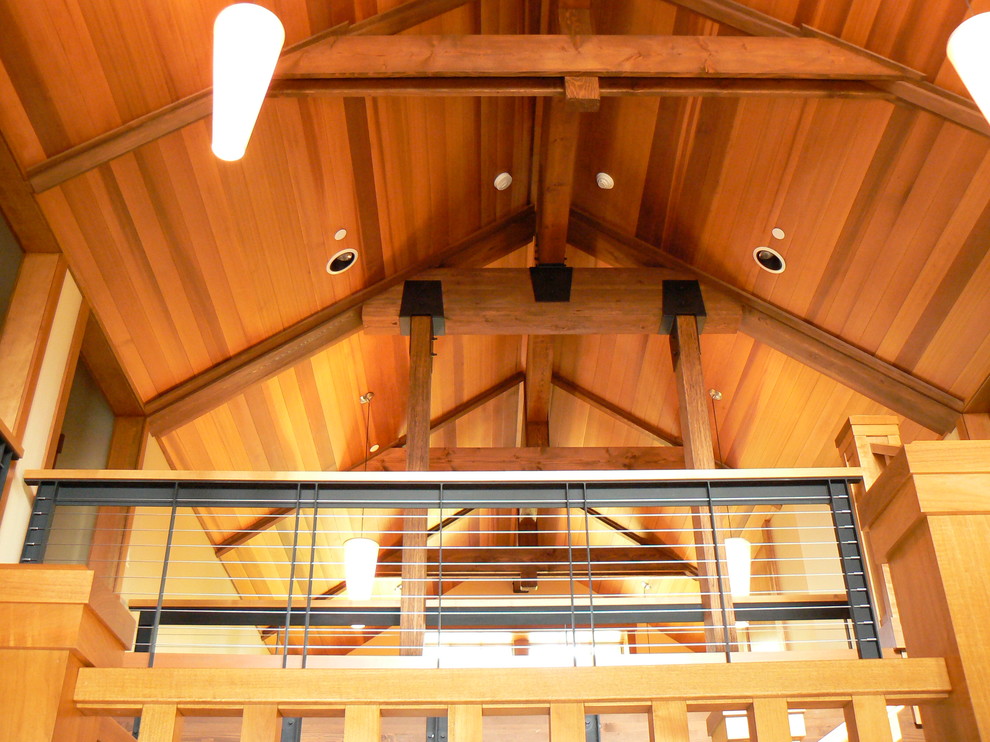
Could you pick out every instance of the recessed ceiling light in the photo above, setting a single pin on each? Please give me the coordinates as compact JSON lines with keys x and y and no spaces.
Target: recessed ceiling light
{"x":374,"y":447}
{"x":502,"y":181}
{"x":340,"y":234}
{"x":777,"y":233}
{"x":769,"y":259}
{"x":341,"y":261}
{"x":605,"y":181}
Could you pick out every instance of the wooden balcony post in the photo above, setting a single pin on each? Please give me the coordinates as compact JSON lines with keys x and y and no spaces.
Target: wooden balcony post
{"x":867,"y":721}
{"x":413,"y":602}
{"x":464,"y":723}
{"x":567,"y":722}
{"x":261,"y":724}
{"x":768,"y":720}
{"x":54,"y":621}
{"x":685,"y":348}
{"x":929,"y":518}
{"x":362,"y":723}
{"x":160,"y":722}
{"x":868,"y":442}
{"x":669,"y":721}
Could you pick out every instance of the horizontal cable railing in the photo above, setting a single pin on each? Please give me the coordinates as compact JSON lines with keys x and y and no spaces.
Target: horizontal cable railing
{"x":520,"y":571}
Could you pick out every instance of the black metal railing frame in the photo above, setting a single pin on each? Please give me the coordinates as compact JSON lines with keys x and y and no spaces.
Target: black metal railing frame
{"x":572,"y":494}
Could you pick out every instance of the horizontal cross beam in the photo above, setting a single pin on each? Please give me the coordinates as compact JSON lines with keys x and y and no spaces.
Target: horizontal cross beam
{"x":500,"y":301}
{"x":508,"y":55}
{"x":539,"y":459}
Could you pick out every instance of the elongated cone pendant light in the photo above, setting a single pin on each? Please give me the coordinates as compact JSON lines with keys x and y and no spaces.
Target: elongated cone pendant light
{"x":739,"y":558}
{"x":360,"y":562}
{"x":969,"y":52}
{"x":247,"y":41}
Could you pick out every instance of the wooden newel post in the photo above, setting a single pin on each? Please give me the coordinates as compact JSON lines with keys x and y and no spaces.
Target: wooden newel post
{"x":53,"y":621}
{"x":929,"y":518}
{"x":869,"y":442}
{"x":683,"y":307}
{"x":422,"y":312}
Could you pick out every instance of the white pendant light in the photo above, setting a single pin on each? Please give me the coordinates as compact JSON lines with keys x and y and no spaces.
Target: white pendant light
{"x":247,"y":41}
{"x":969,"y":52}
{"x":739,"y":559}
{"x":360,"y":563}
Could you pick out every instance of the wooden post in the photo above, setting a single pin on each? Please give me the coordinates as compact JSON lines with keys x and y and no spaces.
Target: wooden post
{"x":567,"y":722}
{"x":974,"y":426}
{"x":669,"y":721}
{"x":53,"y":621}
{"x":768,"y":720}
{"x":413,"y":604}
{"x":685,"y":349}
{"x":25,"y":335}
{"x":112,"y":531}
{"x":929,"y":518}
{"x":858,"y":441}
{"x":362,"y":723}
{"x":261,"y":724}
{"x":464,"y":723}
{"x":160,"y":722}
{"x":867,"y":720}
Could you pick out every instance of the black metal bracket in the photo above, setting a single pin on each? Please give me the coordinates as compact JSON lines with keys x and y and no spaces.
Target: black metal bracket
{"x":291,"y":729}
{"x":592,"y":728}
{"x":551,"y":282}
{"x":422,"y":299}
{"x":436,"y":729}
{"x":681,"y":298}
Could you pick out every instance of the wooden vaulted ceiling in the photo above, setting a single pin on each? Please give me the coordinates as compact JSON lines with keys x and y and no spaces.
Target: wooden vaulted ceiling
{"x":208,"y":277}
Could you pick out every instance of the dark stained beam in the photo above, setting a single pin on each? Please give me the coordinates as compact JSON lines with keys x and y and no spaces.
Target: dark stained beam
{"x":27,"y":222}
{"x":508,"y":55}
{"x":539,"y":368}
{"x":555,"y":87}
{"x":829,"y":355}
{"x":101,"y":361}
{"x":213,"y":387}
{"x":914,"y":91}
{"x":533,"y":458}
{"x":500,"y":301}
{"x":156,"y":124}
{"x":696,"y":431}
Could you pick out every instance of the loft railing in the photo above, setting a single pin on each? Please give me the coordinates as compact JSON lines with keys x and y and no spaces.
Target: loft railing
{"x":520,"y":568}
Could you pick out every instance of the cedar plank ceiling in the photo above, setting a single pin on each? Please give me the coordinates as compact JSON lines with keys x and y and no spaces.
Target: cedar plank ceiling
{"x":186,"y":260}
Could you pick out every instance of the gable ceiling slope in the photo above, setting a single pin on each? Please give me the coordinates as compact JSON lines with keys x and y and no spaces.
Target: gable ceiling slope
{"x":858,"y":144}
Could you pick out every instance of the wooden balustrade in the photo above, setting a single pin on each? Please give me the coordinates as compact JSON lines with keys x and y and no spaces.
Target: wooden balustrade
{"x":862,"y":687}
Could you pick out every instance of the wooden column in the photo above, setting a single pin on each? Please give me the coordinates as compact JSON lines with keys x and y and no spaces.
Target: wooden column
{"x":669,"y":721}
{"x":685,"y":348}
{"x":929,"y":517}
{"x":974,"y":426}
{"x":261,"y":724}
{"x":111,"y":533}
{"x":53,"y":621}
{"x":867,"y":442}
{"x":413,"y":604}
{"x":464,"y":723}
{"x":768,"y":720}
{"x":25,"y":335}
{"x":160,"y":722}
{"x":362,"y":723}
{"x":567,"y":722}
{"x":867,"y":720}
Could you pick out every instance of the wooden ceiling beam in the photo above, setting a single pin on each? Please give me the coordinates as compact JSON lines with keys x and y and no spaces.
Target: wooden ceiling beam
{"x":248,"y":532}
{"x":550,"y":87}
{"x":509,"y":55}
{"x":826,"y":353}
{"x":27,"y":222}
{"x":452,"y":415}
{"x":539,"y":368}
{"x":156,"y":124}
{"x":500,"y":301}
{"x":915,"y":92}
{"x":213,"y":387}
{"x":663,"y":437}
{"x":99,"y":357}
{"x":539,"y":459}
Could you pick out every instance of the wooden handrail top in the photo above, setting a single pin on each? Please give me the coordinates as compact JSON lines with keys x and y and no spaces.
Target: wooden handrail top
{"x":298,"y":691}
{"x":39,"y":476}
